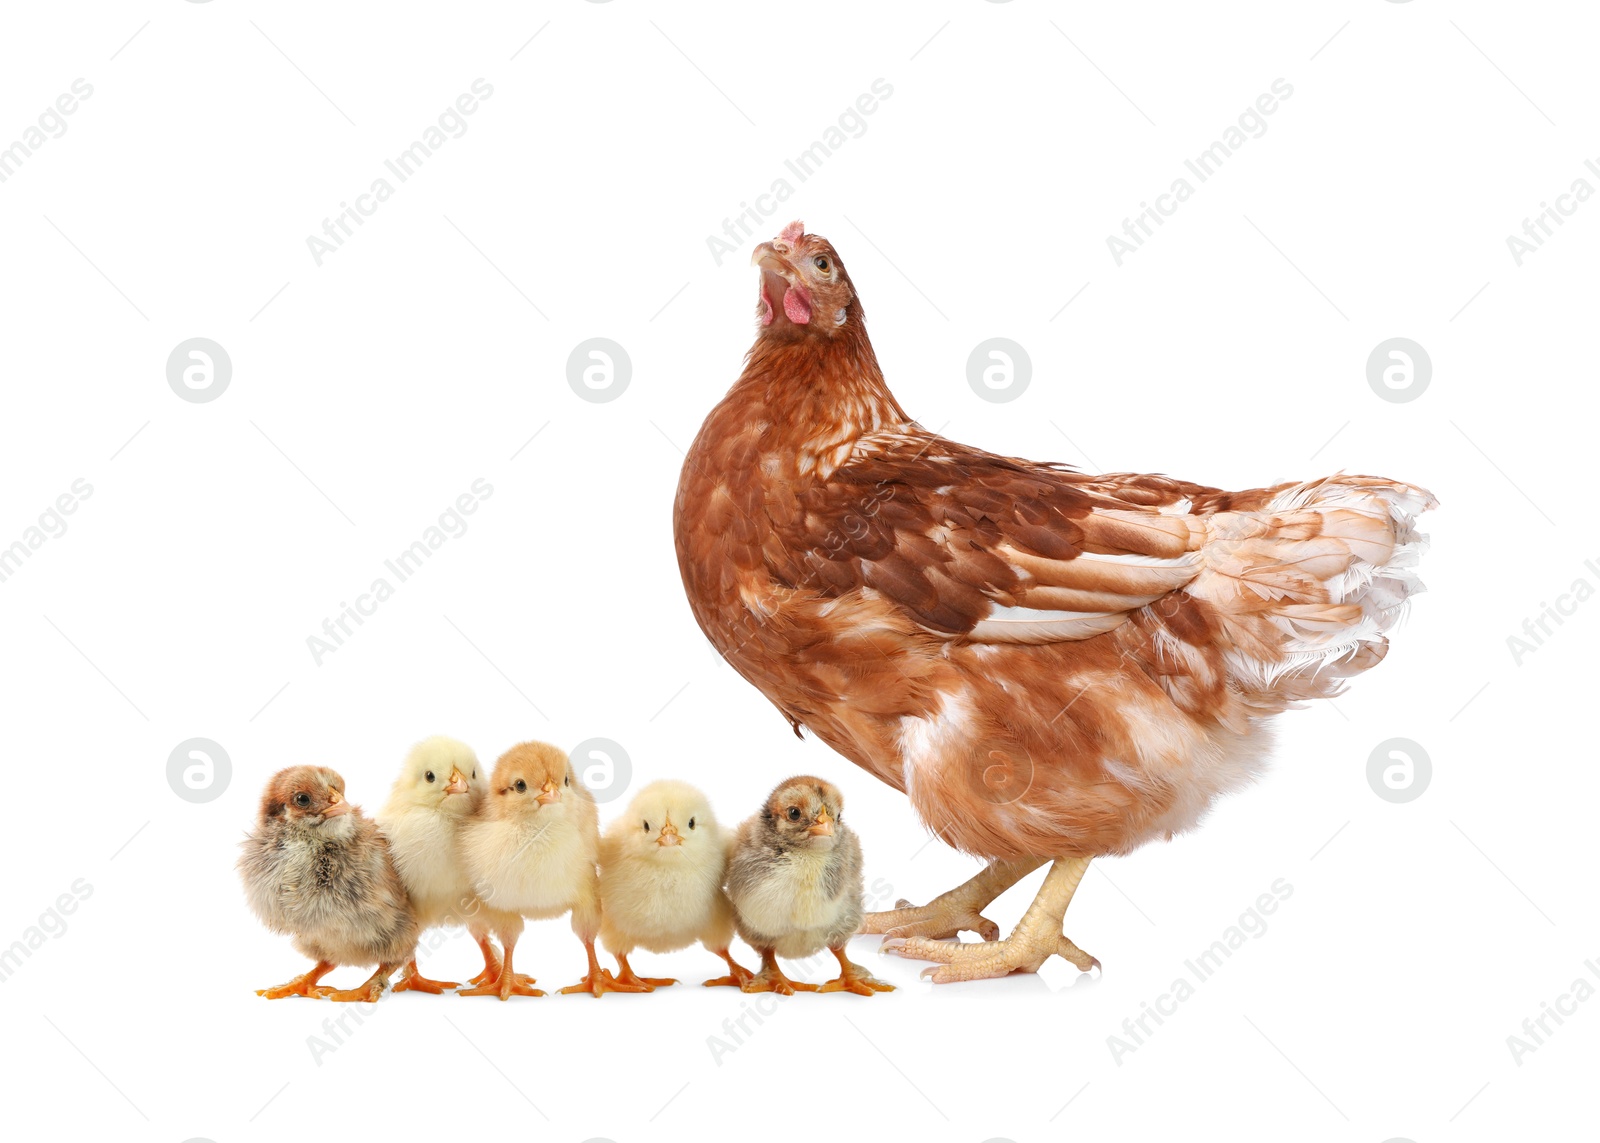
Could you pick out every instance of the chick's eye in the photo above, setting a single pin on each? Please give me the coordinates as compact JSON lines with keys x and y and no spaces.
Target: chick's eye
{"x":302,"y":800}
{"x":794,"y":813}
{"x":567,"y":781}
{"x":646,"y":827}
{"x":522,"y":787}
{"x":429,"y":775}
{"x":820,"y":263}
{"x":691,"y":823}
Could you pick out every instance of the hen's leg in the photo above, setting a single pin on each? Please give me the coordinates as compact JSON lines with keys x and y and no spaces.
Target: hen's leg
{"x":303,"y":985}
{"x":853,"y":978}
{"x":627,"y":976}
{"x":1035,"y":939}
{"x":737,"y":973}
{"x":414,"y":981}
{"x":771,"y":978}
{"x":949,"y":913}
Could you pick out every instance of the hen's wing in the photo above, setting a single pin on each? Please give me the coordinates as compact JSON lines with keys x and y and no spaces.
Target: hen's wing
{"x":985,"y":547}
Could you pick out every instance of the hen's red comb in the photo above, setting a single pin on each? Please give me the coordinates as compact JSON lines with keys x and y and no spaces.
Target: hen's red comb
{"x":793,"y":232}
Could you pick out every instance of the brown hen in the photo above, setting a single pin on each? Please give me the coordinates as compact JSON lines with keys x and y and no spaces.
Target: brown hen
{"x":1050,"y":665}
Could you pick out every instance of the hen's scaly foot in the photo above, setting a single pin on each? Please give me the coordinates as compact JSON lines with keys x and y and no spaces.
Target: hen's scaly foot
{"x":1036,"y":938}
{"x":947,"y":914}
{"x":738,"y":974}
{"x":853,"y":978}
{"x":941,"y":918}
{"x":303,"y":985}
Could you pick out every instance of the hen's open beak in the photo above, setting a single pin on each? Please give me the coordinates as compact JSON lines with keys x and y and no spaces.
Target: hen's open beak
{"x":823,"y":825}
{"x":668,"y":836}
{"x":782,"y":292}
{"x":549,"y":792}
{"x":336,"y":805}
{"x":458,"y":782}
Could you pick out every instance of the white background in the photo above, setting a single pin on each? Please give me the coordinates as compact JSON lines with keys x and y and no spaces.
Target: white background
{"x":369,"y":392}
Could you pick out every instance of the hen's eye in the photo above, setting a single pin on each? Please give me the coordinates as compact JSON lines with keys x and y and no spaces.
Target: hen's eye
{"x":794,"y":813}
{"x":820,"y":263}
{"x":429,"y":775}
{"x":521,"y":786}
{"x":691,"y":823}
{"x":302,"y":800}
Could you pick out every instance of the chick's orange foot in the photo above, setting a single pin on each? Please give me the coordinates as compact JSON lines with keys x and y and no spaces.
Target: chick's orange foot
{"x":364,"y":993}
{"x":303,"y":985}
{"x":651,"y":983}
{"x":414,"y":981}
{"x":505,"y":985}
{"x":772,"y":979}
{"x":491,"y":963}
{"x":853,"y":978}
{"x":738,"y":974}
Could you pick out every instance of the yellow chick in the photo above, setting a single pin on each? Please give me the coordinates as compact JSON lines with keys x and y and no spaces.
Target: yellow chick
{"x":661,"y":869}
{"x":531,"y":852}
{"x":440,"y":787}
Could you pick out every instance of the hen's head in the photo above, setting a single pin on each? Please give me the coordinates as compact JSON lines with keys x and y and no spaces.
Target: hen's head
{"x":805,"y":291}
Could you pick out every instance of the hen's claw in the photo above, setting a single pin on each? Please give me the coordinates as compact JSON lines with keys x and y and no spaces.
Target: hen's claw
{"x":949,"y":913}
{"x":958,"y":961}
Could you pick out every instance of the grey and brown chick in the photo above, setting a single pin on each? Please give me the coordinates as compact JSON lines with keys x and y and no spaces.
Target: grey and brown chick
{"x":316,"y":868}
{"x":795,"y":882}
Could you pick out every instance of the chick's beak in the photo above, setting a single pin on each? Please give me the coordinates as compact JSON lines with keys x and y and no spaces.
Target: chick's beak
{"x":336,"y":805}
{"x":822,"y":826}
{"x":669,"y":836}
{"x":458,"y":782}
{"x":548,"y":793}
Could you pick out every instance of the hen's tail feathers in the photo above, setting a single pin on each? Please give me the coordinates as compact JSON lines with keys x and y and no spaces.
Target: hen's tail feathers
{"x":1309,"y":578}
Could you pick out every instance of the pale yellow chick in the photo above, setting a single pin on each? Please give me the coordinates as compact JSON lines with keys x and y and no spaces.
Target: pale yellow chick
{"x":661,"y":869}
{"x":531,"y":852}
{"x":440,"y":787}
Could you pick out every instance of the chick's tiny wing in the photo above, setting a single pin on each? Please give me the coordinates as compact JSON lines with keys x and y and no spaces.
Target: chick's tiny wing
{"x":967,"y":543}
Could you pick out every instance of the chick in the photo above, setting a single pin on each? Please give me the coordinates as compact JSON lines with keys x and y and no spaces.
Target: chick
{"x":440,"y":786}
{"x":531,"y":851}
{"x":317,"y":869}
{"x":796,"y":886}
{"x":661,"y":869}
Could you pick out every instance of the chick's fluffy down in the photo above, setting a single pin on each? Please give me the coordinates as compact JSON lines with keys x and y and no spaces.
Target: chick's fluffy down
{"x":795,"y":901}
{"x":663,"y":898}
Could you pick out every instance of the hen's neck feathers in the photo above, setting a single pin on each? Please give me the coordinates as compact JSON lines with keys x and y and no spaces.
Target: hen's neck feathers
{"x":822,"y":393}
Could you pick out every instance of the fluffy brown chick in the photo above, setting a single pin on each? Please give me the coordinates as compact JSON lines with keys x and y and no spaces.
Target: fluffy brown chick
{"x":532,"y":852}
{"x":315,"y":867}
